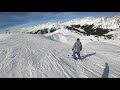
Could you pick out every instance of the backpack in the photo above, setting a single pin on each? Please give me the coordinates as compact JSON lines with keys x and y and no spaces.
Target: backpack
{"x":80,"y":47}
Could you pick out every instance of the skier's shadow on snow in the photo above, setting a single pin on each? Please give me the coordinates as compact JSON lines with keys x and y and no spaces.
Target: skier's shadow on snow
{"x":106,"y":71}
{"x":88,"y":55}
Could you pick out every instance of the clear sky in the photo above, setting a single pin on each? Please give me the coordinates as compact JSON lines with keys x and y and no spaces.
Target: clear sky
{"x":8,"y":19}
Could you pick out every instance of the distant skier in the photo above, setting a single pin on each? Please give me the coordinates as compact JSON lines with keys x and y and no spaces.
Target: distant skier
{"x":77,"y":47}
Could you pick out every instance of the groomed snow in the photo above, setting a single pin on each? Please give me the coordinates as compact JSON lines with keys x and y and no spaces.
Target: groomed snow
{"x":37,"y":56}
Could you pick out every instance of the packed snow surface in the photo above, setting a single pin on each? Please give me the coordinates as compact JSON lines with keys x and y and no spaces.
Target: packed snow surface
{"x":39,"y":56}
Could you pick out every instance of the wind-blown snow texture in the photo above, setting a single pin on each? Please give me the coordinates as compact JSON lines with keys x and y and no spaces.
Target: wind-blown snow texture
{"x":49,"y":55}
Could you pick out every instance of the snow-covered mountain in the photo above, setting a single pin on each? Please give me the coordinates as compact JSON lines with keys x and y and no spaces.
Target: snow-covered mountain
{"x":89,"y":26}
{"x":44,"y":51}
{"x":101,"y":28}
{"x":100,"y":22}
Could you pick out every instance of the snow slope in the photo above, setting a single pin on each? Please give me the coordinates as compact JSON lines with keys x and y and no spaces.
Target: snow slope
{"x":59,"y":35}
{"x":37,"y":56}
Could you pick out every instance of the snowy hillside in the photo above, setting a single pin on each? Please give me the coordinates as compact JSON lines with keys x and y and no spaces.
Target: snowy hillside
{"x":44,"y":50}
{"x":100,"y":22}
{"x":102,"y":27}
{"x":36,"y":56}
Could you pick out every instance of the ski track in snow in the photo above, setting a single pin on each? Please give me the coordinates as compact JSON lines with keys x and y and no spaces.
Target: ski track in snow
{"x":36,"y":56}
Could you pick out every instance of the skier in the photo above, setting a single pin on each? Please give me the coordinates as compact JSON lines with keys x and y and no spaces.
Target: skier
{"x":77,"y":47}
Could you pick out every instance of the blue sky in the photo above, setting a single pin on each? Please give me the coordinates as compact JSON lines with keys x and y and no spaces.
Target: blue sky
{"x":8,"y":19}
